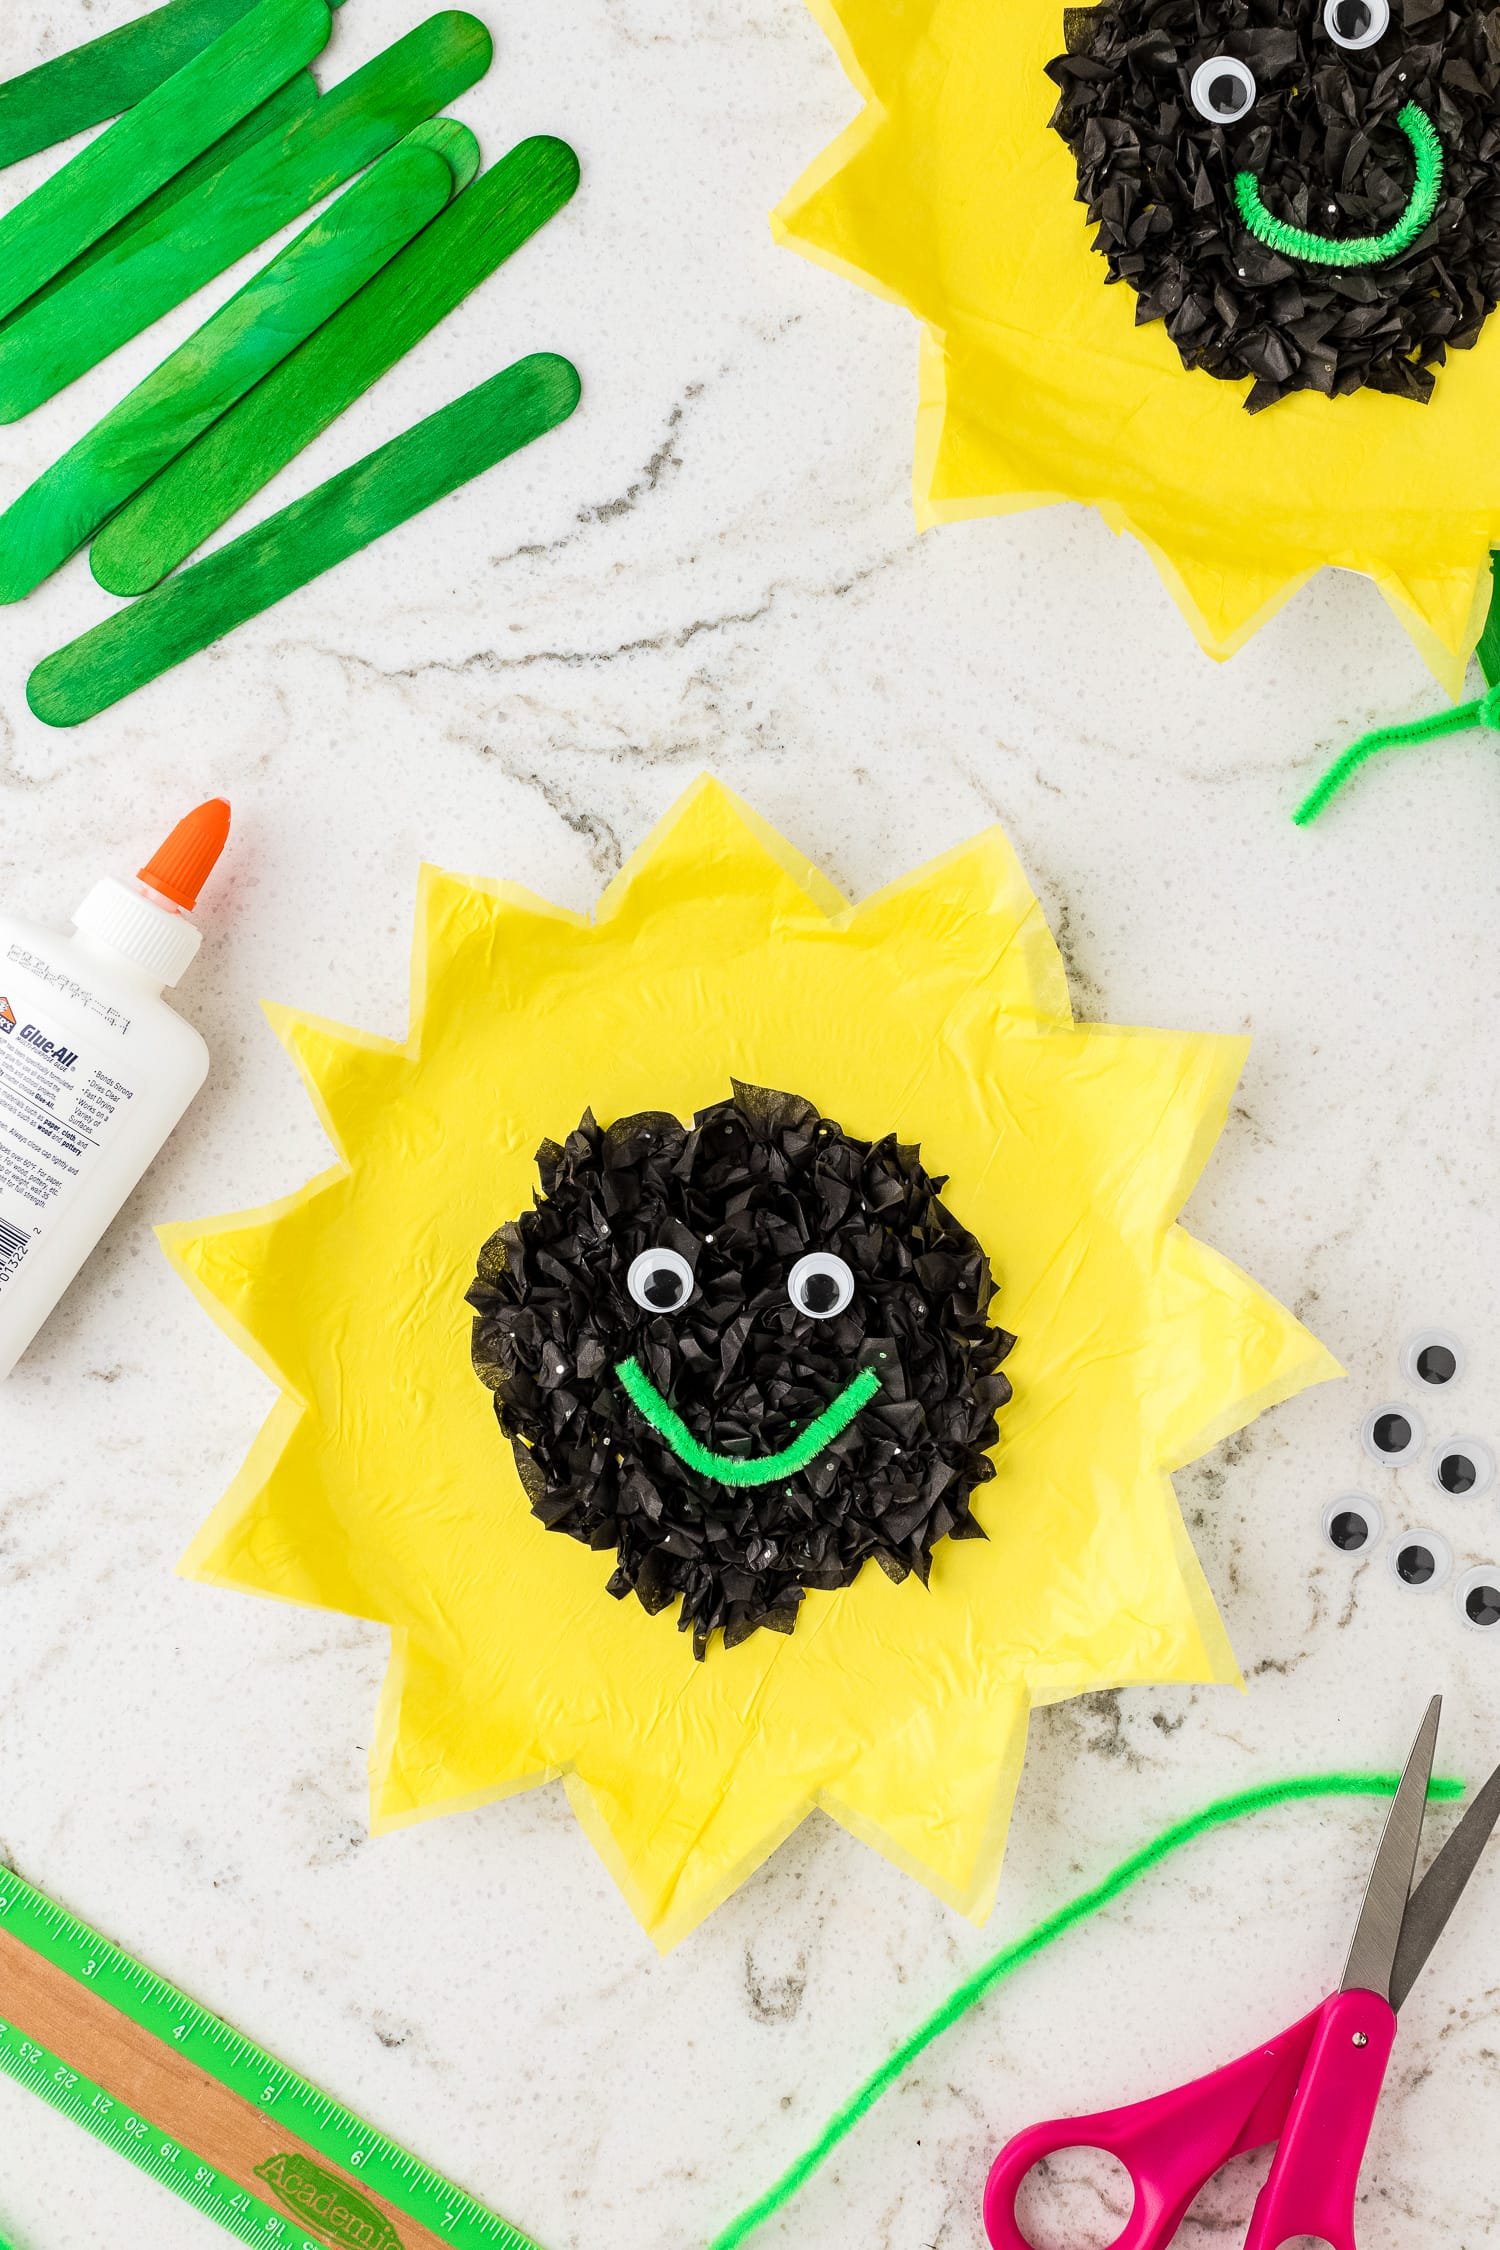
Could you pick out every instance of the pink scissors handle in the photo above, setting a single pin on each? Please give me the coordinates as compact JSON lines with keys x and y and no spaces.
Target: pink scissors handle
{"x":1315,"y":2089}
{"x":1311,"y":2186}
{"x":1170,"y":2145}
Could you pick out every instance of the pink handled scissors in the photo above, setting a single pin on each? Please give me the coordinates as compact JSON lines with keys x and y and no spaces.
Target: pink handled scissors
{"x":1313,"y":2089}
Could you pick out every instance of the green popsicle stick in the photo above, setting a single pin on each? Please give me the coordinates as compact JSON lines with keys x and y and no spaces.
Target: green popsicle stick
{"x":52,"y":342}
{"x":310,"y":536}
{"x":90,"y":83}
{"x":175,"y":123}
{"x":296,"y":99}
{"x":454,"y":143}
{"x":1488,"y":651}
{"x":204,"y":485}
{"x":230,"y":353}
{"x":289,"y":102}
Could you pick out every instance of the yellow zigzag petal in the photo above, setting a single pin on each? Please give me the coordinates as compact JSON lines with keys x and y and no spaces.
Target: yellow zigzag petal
{"x":348,"y":1075}
{"x":1224,"y":1352}
{"x":949,"y":1829}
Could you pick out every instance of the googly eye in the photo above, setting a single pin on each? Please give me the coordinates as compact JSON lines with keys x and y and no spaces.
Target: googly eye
{"x":1432,"y":1357}
{"x":1420,"y":1560}
{"x":660,"y":1281}
{"x":1352,"y":1523}
{"x":1477,"y":1598}
{"x":1223,"y":88}
{"x":820,"y":1285}
{"x":1392,"y":1434}
{"x":1464,"y":1467}
{"x":1355,"y":23}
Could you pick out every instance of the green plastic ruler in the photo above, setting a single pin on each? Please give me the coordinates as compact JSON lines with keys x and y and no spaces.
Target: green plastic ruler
{"x":271,"y":2159}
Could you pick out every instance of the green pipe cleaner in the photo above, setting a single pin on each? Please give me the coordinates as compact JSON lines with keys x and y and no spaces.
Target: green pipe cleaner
{"x":1013,"y":1956}
{"x":736,"y":1468}
{"x":1484,"y":711}
{"x":1355,"y":250}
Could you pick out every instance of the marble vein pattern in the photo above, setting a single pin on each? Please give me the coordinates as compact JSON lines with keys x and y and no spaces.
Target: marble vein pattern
{"x":714,"y":564}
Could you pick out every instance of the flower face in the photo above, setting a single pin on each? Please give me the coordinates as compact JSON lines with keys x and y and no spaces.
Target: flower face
{"x":640,"y":1364}
{"x":800,"y":1300}
{"x":1306,"y":194}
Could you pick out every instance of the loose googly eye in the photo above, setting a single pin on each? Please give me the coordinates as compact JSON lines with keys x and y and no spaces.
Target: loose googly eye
{"x":1352,"y":1523}
{"x":820,"y":1285}
{"x":660,"y":1280}
{"x":1223,"y":88}
{"x":1392,"y":1434}
{"x":1432,"y":1357}
{"x":1477,"y":1599}
{"x":1421,"y":1560}
{"x":1355,"y":23}
{"x":1463,"y":1467}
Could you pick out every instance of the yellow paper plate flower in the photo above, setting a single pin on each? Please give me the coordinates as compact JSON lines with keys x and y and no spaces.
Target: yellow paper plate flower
{"x":952,"y":194}
{"x":937,"y":1013}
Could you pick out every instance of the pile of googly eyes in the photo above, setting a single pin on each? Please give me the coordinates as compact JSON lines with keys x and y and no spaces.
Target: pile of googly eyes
{"x":1462,"y":1468}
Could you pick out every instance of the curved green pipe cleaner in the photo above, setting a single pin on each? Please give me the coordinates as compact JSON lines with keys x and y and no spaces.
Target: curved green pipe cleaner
{"x":1036,"y":1940}
{"x":1356,"y":250}
{"x":733,"y":1468}
{"x":1484,"y":711}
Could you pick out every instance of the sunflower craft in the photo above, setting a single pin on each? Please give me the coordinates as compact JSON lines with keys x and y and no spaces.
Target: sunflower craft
{"x":1301,"y":199}
{"x":684,"y":1263}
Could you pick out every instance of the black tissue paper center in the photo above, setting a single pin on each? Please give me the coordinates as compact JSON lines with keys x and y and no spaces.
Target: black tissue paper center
{"x":1322,"y":141}
{"x":754,"y":1184}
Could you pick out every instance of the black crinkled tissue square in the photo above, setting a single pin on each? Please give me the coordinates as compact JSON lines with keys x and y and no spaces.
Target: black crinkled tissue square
{"x":678,"y":1248}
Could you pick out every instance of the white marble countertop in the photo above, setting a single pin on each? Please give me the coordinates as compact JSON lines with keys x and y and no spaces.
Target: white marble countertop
{"x":714,"y":565}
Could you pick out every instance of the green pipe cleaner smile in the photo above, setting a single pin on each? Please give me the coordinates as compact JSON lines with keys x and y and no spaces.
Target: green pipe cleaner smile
{"x":733,"y":1468}
{"x":1356,"y":250}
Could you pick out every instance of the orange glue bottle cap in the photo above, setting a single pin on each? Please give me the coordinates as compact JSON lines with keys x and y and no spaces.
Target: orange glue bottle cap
{"x":179,"y":870}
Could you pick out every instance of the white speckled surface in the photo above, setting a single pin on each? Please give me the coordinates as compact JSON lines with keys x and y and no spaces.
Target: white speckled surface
{"x":714,"y":564}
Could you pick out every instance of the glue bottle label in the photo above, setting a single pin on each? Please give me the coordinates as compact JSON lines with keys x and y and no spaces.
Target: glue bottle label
{"x":59,"y":1103}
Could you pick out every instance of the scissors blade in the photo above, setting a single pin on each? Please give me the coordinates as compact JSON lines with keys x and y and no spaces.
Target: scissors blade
{"x":1377,"y":1933}
{"x":1441,"y":1888}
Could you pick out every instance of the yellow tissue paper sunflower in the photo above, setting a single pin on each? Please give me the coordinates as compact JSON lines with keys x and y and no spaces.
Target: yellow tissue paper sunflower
{"x":787,"y":1237}
{"x":1103,"y":291}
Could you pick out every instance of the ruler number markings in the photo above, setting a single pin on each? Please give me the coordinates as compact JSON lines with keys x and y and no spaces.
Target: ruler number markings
{"x":241,"y":2067}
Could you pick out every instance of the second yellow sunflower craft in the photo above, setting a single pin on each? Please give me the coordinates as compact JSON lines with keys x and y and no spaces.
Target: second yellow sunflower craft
{"x":1199,"y":143}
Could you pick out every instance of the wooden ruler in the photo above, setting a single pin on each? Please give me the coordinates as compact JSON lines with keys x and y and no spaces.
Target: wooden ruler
{"x":180,"y":2094}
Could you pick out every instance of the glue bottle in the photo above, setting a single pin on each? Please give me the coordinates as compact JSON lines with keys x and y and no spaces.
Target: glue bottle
{"x":95,"y":1068}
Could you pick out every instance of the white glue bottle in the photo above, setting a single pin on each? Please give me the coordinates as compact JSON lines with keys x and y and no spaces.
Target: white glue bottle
{"x":95,"y":1068}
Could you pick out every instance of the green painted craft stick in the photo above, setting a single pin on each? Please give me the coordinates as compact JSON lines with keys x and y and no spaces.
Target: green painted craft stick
{"x":230,"y":353}
{"x":175,"y":123}
{"x":51,"y":343}
{"x":203,"y":486}
{"x":310,"y":536}
{"x":289,"y":102}
{"x":296,"y":99}
{"x":90,"y":83}
{"x":1488,"y":651}
{"x":454,"y":143}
